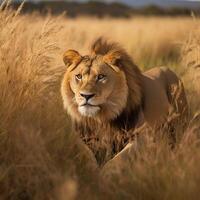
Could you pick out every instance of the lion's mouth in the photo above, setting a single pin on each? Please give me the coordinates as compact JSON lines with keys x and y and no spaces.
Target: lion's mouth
{"x":88,"y":104}
{"x":88,"y":109}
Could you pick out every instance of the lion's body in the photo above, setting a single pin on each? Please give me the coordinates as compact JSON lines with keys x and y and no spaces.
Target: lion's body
{"x":160,"y":84}
{"x":107,"y":89}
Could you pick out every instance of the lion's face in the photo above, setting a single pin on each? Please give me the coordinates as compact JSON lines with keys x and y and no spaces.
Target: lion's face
{"x":93,"y":88}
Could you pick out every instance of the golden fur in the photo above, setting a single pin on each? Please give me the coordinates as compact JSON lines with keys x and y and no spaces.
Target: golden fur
{"x":124,"y":98}
{"x":127,"y":80}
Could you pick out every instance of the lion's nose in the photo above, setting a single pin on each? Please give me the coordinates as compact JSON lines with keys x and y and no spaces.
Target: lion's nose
{"x":87,"y":96}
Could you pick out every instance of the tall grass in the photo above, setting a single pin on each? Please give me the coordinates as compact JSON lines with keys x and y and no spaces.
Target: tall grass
{"x":191,"y":63}
{"x":36,"y":154}
{"x":40,"y":156}
{"x":151,"y":41}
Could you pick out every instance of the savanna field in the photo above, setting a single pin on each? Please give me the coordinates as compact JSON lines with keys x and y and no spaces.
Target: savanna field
{"x":41,"y":157}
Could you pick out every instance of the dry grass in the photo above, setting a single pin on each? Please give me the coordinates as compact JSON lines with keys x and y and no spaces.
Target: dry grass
{"x":151,"y":41}
{"x":39,"y":157}
{"x":191,"y":63}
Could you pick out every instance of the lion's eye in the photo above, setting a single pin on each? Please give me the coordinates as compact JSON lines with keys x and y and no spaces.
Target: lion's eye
{"x":101,"y":77}
{"x":79,"y":76}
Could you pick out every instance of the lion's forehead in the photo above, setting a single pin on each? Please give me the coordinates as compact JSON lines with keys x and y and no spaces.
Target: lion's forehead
{"x":91,"y":66}
{"x":92,"y":61}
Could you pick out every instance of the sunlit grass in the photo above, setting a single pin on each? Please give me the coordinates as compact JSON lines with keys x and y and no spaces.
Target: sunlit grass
{"x":41,"y":158}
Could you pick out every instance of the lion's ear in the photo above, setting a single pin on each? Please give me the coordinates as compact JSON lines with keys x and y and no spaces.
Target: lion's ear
{"x":113,"y":60}
{"x":71,"y":57}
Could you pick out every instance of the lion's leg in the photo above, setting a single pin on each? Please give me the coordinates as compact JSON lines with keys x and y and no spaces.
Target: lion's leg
{"x":119,"y":162}
{"x":87,"y":154}
{"x":178,"y":114}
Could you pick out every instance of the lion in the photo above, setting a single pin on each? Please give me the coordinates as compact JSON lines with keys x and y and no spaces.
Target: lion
{"x":106,"y":89}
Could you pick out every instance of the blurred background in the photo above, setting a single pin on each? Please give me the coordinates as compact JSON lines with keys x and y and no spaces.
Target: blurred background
{"x":113,"y":8}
